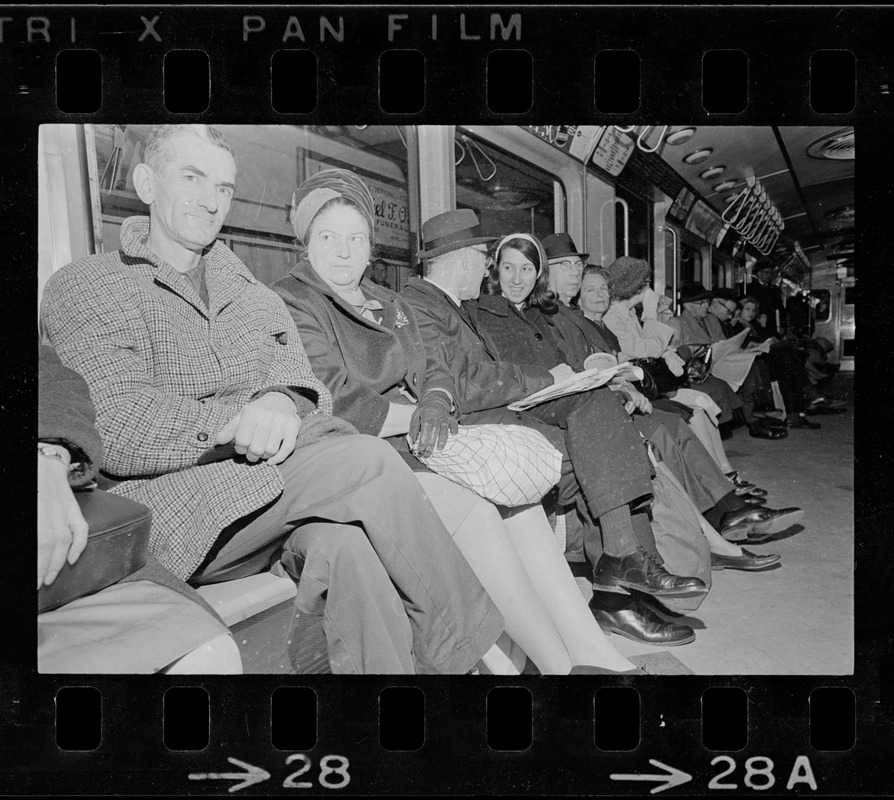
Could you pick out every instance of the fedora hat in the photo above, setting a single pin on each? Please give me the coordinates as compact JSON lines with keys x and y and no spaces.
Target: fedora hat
{"x":451,"y":230}
{"x":559,"y":245}
{"x":693,"y":292}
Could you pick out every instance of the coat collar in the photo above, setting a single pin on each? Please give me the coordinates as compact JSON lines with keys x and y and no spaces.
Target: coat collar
{"x":494,"y":304}
{"x":221,"y":266}
{"x":304,"y":274}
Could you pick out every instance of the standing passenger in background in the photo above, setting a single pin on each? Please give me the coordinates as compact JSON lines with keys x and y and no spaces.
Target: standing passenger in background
{"x":771,"y":308}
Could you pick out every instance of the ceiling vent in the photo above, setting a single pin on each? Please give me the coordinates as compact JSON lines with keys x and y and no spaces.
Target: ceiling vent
{"x":837,"y":146}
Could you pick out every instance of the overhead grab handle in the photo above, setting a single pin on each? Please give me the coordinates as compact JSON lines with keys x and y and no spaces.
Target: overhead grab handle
{"x":470,"y":144}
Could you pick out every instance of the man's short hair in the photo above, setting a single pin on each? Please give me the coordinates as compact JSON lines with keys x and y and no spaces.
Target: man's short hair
{"x":159,"y":153}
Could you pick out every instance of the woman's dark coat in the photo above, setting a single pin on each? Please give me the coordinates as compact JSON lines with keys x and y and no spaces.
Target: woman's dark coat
{"x":362,"y":363}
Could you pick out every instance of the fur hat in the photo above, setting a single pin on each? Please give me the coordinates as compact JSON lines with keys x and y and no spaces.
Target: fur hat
{"x":628,"y":275}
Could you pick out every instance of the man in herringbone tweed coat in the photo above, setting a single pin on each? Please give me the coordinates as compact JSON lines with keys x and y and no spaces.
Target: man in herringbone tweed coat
{"x":211,"y":416}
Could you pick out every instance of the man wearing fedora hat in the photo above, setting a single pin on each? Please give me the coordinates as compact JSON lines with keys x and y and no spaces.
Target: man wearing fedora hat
{"x":605,"y":467}
{"x":697,"y":326}
{"x":566,"y":266}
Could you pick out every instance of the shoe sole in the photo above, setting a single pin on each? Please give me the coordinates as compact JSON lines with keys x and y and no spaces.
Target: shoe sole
{"x":622,"y":586}
{"x":619,"y":632}
{"x":745,"y":569}
{"x":757,"y":531}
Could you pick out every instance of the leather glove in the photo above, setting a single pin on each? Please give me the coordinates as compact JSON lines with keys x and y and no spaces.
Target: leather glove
{"x":431,"y":423}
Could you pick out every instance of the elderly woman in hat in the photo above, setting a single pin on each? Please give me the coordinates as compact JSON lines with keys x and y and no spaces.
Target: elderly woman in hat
{"x":364,"y":344}
{"x":630,"y":284}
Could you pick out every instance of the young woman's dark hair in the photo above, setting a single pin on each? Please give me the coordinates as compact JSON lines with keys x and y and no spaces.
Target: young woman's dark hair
{"x":541,"y":296}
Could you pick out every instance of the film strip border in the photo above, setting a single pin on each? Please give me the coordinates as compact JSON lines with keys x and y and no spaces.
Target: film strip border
{"x":457,"y":735}
{"x":441,"y":64}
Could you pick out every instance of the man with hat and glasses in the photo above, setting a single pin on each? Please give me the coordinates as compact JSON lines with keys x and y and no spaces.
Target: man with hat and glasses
{"x":605,"y":469}
{"x":696,"y":326}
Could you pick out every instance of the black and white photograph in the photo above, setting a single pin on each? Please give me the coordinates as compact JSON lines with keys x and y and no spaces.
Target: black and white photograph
{"x":447,"y":400}
{"x":596,"y":383}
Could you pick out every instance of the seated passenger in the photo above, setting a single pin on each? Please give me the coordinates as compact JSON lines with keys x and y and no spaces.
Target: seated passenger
{"x":521,"y":322}
{"x":695,"y":326}
{"x":148,"y":622}
{"x":782,"y":361}
{"x":210,"y":416}
{"x":364,"y":344}
{"x":605,"y":465}
{"x":582,"y":332}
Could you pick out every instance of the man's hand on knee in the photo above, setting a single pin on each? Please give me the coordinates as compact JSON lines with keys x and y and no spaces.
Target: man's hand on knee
{"x":265,"y":429}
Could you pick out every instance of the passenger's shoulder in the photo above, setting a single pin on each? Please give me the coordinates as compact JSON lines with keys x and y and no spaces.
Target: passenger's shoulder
{"x":92,"y":274}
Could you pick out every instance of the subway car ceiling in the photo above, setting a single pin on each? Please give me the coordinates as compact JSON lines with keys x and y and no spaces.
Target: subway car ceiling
{"x":807,"y":172}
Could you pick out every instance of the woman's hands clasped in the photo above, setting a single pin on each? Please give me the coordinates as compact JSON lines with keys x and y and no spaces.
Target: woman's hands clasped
{"x":431,"y":423}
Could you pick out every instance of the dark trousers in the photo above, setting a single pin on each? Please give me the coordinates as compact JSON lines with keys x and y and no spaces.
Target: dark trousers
{"x":354,"y":528}
{"x":787,"y":367}
{"x":604,"y":461}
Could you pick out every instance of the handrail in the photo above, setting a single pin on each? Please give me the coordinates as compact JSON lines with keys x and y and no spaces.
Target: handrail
{"x":469,"y":143}
{"x":626,"y":208}
{"x":671,"y":229}
{"x":644,"y":137}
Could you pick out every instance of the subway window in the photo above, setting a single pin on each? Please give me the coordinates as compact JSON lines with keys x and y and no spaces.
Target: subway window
{"x":273,"y":160}
{"x":507,"y":193}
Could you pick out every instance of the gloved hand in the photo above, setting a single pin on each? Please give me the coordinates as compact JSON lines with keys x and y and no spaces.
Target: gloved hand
{"x":674,"y":363}
{"x":431,"y":423}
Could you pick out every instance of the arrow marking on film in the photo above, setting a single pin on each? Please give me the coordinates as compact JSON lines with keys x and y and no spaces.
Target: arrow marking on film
{"x":251,"y":775}
{"x":673,"y":777}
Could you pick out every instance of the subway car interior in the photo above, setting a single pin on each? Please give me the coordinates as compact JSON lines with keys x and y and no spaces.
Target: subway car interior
{"x":720,"y":214}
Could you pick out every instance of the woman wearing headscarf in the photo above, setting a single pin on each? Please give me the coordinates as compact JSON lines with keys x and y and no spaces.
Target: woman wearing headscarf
{"x":364,"y":344}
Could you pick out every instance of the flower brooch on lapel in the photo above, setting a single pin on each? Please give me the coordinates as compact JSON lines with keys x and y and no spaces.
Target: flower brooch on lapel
{"x":400,"y":319}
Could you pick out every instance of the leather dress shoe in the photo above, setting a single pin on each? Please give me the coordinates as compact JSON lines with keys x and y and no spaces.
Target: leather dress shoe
{"x":641,"y":624}
{"x":801,"y":421}
{"x":775,"y":422}
{"x":747,"y":561}
{"x":760,"y":429}
{"x":585,"y":669}
{"x":744,"y":487}
{"x":754,"y":500}
{"x":753,"y":523}
{"x":642,"y":572}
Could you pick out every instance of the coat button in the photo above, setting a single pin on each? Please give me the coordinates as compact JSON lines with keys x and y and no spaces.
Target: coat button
{"x":202,"y":437}
{"x":538,"y":337}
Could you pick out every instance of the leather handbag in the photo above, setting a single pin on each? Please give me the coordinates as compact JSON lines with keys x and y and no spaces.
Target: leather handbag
{"x":117,"y":546}
{"x":659,"y":381}
{"x":510,"y":465}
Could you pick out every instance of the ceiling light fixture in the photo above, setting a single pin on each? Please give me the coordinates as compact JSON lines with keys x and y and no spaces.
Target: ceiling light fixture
{"x":724,"y":185}
{"x":680,"y":136}
{"x":712,"y":172}
{"x":698,"y":156}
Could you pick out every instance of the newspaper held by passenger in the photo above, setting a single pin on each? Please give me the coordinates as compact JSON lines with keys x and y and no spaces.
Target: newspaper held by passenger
{"x":580,"y":382}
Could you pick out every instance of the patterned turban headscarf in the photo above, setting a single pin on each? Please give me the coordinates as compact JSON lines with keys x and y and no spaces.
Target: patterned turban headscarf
{"x":326,"y":185}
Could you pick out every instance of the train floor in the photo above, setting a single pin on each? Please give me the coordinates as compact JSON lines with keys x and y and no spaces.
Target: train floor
{"x":794,"y":619}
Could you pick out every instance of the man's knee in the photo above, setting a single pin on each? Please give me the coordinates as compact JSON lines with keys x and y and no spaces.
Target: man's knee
{"x":330,"y":542}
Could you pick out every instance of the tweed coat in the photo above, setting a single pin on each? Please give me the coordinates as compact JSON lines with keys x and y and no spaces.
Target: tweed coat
{"x":166,"y":373}
{"x":363,"y":363}
{"x":452,"y":335}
